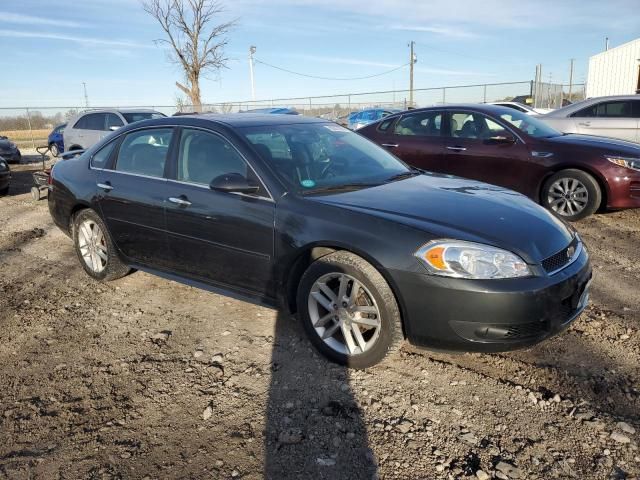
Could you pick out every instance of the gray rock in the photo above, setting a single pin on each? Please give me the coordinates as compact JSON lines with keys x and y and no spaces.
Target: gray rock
{"x":404,"y":426}
{"x":620,"y":438}
{"x":482,"y":475}
{"x":509,"y":470}
{"x":469,"y":438}
{"x":625,"y":427}
{"x":325,"y":462}
{"x":290,"y":436}
{"x":208,"y":412}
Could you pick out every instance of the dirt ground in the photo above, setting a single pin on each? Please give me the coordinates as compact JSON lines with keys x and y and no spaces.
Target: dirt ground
{"x":147,"y":378}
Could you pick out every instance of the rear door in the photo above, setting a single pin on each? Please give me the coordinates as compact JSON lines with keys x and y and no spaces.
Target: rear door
{"x":608,"y":119}
{"x":132,"y":192}
{"x":221,"y":238}
{"x":417,"y":139}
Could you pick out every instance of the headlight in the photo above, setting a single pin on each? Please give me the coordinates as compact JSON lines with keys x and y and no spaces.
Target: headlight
{"x":3,"y":165}
{"x":453,"y":258}
{"x":627,"y":162}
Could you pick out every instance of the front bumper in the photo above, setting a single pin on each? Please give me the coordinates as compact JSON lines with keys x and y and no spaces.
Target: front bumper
{"x":5,"y":179}
{"x":491,"y":315}
{"x":12,"y":157}
{"x":624,"y":188}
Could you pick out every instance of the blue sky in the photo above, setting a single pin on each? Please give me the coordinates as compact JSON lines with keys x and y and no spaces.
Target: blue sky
{"x":48,"y":51}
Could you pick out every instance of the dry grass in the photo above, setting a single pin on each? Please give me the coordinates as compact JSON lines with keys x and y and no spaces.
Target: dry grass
{"x":23,"y":135}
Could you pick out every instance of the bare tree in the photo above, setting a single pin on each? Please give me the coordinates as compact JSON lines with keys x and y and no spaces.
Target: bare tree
{"x":196,"y":41}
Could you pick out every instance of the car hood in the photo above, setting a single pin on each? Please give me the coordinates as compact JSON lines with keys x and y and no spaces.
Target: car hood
{"x":612,"y":145}
{"x":451,"y":207}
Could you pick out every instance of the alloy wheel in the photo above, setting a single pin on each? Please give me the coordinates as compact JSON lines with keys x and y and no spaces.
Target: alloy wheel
{"x":93,"y":246}
{"x":568,"y":196}
{"x":344,"y":314}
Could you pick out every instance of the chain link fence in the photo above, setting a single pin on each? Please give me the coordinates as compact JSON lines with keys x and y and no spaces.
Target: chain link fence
{"x":30,"y":126}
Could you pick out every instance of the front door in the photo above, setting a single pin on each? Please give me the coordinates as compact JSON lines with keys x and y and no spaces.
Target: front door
{"x":222,"y":238}
{"x":614,"y":119}
{"x":475,"y":149}
{"x":132,"y":193}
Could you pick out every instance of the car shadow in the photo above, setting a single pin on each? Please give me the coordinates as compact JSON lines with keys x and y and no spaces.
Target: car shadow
{"x":314,"y":426}
{"x":22,"y":180}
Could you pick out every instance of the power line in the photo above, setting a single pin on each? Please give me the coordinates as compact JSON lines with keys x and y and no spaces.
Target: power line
{"x":328,"y":78}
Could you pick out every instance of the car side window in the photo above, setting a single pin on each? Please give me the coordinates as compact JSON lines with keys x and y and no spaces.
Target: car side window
{"x":617,"y":109}
{"x":203,"y":156}
{"x":384,"y":126}
{"x":145,"y":152}
{"x":423,"y":124}
{"x":113,"y":121}
{"x":473,"y":126}
{"x":101,"y":157}
{"x":95,"y":121}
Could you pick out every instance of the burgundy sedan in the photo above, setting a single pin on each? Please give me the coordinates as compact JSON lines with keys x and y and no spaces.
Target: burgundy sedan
{"x":572,"y":175}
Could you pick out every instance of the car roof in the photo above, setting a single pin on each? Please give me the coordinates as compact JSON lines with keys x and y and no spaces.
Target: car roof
{"x":574,"y":107}
{"x":121,"y":110}
{"x":253,"y":119}
{"x":480,"y":107}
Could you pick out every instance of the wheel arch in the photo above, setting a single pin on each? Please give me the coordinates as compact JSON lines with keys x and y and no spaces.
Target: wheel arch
{"x":602,"y":183}
{"x":312,"y":252}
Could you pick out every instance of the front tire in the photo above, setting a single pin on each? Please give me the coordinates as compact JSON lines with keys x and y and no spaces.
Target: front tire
{"x":95,"y":249}
{"x":571,"y":194}
{"x":348,"y":310}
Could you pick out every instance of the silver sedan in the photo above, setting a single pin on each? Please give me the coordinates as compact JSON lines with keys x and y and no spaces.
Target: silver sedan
{"x":615,"y":116}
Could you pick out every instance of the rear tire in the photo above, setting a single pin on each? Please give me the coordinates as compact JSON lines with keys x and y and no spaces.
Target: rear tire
{"x":571,"y":194}
{"x":53,"y":148}
{"x":95,"y":249}
{"x":360,"y":329}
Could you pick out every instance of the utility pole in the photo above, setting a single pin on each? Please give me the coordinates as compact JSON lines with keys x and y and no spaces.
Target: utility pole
{"x":412,"y":60}
{"x":570,"y":79}
{"x":252,"y":50}
{"x":606,"y":44}
{"x":86,"y":97}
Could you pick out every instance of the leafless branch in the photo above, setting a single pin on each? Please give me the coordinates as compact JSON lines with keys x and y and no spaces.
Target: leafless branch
{"x":196,"y":43}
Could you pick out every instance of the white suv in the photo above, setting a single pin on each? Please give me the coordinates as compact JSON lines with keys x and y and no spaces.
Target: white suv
{"x":88,"y":128}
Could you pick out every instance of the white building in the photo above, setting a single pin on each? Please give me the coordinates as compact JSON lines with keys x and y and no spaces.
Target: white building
{"x":615,"y":71}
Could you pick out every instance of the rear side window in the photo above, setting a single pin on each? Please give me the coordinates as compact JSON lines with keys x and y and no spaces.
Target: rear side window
{"x":101,"y":157}
{"x":132,"y":117}
{"x":113,"y":121}
{"x":618,"y":109}
{"x":145,"y":152}
{"x":384,"y":126}
{"x":423,"y":124}
{"x":91,"y":121}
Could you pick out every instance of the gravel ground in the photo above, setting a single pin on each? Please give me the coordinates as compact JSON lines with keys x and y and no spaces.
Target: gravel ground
{"x":146,"y":378}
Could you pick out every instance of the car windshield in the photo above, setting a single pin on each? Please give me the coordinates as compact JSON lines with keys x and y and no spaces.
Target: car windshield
{"x":529,"y":125}
{"x":132,"y":117}
{"x":321,"y":157}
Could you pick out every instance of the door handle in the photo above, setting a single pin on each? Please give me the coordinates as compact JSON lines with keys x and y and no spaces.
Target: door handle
{"x":457,"y":149}
{"x":180,"y":201}
{"x":105,"y":186}
{"x":390,"y":145}
{"x":584,"y":124}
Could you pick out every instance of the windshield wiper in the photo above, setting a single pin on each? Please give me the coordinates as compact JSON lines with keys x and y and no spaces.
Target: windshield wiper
{"x":341,"y":187}
{"x":401,"y":176}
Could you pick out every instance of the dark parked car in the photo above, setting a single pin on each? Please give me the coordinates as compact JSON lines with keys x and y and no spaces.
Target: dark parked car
{"x":9,"y":151}
{"x":572,"y":175}
{"x":5,"y":177}
{"x":305,"y":214}
{"x":55,"y":140}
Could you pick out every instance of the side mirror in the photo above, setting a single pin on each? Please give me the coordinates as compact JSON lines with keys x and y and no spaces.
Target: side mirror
{"x":504,"y":139}
{"x":233,"y":183}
